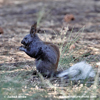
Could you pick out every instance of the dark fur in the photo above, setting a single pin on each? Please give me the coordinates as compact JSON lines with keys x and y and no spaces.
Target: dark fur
{"x":44,"y":54}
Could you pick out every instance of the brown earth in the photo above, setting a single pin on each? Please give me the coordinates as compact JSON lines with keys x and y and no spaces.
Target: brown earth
{"x":17,"y":16}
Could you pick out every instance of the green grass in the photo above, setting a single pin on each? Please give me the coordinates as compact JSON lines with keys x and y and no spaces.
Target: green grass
{"x":16,"y":82}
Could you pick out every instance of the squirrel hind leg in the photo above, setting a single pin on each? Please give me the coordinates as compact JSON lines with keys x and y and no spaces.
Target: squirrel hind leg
{"x":45,"y":68}
{"x":44,"y":72}
{"x":49,"y":75}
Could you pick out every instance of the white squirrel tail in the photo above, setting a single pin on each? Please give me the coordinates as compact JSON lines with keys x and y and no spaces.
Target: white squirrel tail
{"x":80,"y":70}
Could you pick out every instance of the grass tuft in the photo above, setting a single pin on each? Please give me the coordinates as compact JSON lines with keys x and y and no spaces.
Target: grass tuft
{"x":16,"y":82}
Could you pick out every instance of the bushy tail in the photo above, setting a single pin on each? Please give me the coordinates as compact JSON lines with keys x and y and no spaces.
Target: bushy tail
{"x":80,"y":70}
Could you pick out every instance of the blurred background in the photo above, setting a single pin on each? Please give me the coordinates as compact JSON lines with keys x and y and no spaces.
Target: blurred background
{"x":73,"y":24}
{"x":17,"y":16}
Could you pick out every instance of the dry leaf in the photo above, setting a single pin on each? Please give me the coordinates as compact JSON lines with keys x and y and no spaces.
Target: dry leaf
{"x":69,"y":17}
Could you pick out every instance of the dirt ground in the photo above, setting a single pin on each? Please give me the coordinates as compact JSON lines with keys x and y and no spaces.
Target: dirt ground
{"x":17,"y":16}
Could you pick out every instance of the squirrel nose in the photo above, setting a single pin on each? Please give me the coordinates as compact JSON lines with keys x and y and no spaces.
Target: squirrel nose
{"x":22,"y":42}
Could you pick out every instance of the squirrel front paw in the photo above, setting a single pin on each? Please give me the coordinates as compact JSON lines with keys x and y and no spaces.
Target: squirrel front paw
{"x":21,"y":48}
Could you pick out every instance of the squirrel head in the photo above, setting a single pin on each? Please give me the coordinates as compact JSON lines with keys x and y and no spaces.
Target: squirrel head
{"x":28,"y":39}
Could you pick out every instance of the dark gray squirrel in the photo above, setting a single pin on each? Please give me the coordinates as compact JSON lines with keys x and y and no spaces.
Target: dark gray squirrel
{"x":47,"y":58}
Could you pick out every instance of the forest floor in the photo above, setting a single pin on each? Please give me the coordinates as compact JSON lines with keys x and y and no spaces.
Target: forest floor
{"x":82,"y":31}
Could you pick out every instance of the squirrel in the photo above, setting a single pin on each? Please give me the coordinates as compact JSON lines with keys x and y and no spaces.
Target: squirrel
{"x":47,"y":57}
{"x":46,"y":54}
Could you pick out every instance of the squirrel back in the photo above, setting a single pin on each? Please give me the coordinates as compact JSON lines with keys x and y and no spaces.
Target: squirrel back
{"x":56,"y":49}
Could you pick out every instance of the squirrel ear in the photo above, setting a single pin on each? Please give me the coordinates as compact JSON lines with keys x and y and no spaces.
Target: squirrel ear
{"x":33,"y":29}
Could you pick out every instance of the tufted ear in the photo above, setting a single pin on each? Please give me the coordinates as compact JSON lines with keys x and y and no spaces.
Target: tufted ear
{"x":33,"y":29}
